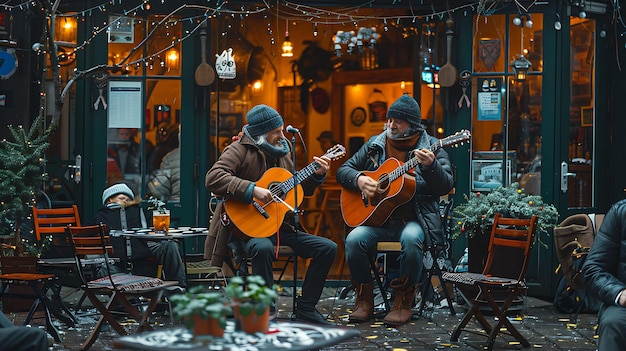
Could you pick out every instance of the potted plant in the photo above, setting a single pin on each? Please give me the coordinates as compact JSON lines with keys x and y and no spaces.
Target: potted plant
{"x":203,"y":312}
{"x":474,"y":218}
{"x":251,"y":302}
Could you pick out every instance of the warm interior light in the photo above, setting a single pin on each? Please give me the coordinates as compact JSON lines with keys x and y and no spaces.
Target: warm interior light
{"x":257,"y":87}
{"x":67,"y":24}
{"x":520,"y":67}
{"x":172,"y":58}
{"x":287,"y":46}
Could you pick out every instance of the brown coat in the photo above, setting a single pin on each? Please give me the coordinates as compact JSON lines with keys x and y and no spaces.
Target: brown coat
{"x":232,"y":178}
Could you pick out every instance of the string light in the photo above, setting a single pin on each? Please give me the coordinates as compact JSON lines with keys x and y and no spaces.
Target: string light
{"x":287,"y":46}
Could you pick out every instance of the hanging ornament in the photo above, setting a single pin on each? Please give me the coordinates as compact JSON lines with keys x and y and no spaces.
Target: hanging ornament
{"x":225,"y":65}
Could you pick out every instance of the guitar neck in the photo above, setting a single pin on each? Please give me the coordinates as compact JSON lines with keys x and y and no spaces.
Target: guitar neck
{"x":412,"y":163}
{"x":302,"y":174}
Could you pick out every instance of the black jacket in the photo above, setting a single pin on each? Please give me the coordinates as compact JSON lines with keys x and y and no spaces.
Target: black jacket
{"x":605,"y":267}
{"x":431,"y":182}
{"x":112,"y":219}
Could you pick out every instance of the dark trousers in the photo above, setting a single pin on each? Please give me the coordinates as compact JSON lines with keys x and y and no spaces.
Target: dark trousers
{"x":21,"y":338}
{"x":611,"y":328}
{"x":168,"y":254}
{"x":321,"y":250}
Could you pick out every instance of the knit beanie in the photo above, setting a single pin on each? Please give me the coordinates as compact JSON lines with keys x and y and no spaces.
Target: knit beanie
{"x":405,"y":108}
{"x":262,"y":119}
{"x":116,"y":189}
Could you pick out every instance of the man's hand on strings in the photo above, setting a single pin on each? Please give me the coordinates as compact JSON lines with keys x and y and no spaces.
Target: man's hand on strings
{"x":262,"y":194}
{"x":424,"y":156}
{"x":367,"y":185}
{"x":324,"y":163}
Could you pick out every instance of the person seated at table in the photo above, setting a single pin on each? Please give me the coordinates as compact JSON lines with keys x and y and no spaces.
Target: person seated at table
{"x":121,"y":211}
{"x":21,"y":338}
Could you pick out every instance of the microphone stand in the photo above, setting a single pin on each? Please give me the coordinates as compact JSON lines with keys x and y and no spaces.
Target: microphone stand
{"x":296,"y":224}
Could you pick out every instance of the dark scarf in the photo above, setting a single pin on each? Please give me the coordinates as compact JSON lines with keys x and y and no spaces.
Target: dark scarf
{"x":399,"y":148}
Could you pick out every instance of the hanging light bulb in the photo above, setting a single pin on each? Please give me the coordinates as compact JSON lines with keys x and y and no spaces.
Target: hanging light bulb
{"x":287,"y":46}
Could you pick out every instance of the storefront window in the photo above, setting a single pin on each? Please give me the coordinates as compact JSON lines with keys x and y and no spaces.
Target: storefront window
{"x":163,"y":132}
{"x":506,"y":115}
{"x":144,"y":113}
{"x":582,"y":113}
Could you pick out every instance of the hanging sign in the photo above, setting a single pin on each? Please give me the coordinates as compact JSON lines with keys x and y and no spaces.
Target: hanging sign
{"x":490,"y":99}
{"x":8,"y":63}
{"x":225,"y":65}
{"x":125,"y":98}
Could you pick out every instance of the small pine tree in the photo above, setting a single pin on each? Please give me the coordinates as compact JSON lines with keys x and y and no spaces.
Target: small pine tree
{"x":21,"y":173}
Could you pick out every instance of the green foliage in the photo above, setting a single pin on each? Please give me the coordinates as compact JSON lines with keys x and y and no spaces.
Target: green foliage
{"x":476,"y":215}
{"x":204,"y":304}
{"x":36,"y":248}
{"x":251,"y":293}
{"x":155,"y":204}
{"x":21,"y":173}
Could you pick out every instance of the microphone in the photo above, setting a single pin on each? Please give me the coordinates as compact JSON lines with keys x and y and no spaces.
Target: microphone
{"x":292,"y":129}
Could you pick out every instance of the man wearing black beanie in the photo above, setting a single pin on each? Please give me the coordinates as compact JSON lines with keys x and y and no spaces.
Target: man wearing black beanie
{"x":409,"y":223}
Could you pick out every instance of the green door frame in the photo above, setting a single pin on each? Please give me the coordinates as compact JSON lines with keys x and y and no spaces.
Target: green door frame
{"x":195,"y":133}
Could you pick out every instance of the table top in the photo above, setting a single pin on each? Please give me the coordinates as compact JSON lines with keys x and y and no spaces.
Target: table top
{"x":285,"y":335}
{"x":150,"y":234}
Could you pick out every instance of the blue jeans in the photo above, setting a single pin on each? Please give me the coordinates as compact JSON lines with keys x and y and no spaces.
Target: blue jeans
{"x":320,"y":250}
{"x":361,"y":246}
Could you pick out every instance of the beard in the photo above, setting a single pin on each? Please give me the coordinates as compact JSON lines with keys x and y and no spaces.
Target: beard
{"x":397,"y":134}
{"x":277,"y":150}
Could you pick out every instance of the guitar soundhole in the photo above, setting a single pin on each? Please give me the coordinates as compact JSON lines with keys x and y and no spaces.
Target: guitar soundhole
{"x":275,"y":189}
{"x":383,"y":183}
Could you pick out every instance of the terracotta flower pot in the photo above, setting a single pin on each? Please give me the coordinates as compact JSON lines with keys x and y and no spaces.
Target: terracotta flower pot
{"x":208,"y":326}
{"x":253,"y":323}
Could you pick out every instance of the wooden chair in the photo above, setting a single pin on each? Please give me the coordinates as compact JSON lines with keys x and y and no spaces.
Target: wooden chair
{"x":21,"y":271}
{"x":120,"y":287}
{"x":58,"y":259}
{"x":52,"y":222}
{"x":501,"y":282}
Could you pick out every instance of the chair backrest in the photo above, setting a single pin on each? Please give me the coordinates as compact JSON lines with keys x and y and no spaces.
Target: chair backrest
{"x":90,"y":240}
{"x":52,"y":222}
{"x":510,"y":246}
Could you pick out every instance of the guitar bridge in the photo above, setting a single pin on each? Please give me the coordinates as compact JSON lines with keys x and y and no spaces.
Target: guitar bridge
{"x":260,"y":209}
{"x":364,"y":198}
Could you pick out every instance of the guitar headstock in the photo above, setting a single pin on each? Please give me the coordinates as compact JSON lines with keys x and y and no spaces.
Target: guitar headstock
{"x":336,"y":152}
{"x":457,"y":138}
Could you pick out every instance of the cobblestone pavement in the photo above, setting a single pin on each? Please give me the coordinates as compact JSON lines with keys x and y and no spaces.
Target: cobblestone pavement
{"x":539,"y":322}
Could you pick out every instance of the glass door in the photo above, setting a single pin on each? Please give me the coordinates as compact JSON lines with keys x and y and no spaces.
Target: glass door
{"x":576,"y":169}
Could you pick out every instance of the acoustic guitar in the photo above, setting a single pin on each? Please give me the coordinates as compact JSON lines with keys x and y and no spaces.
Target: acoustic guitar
{"x":262,"y":220}
{"x":395,"y":188}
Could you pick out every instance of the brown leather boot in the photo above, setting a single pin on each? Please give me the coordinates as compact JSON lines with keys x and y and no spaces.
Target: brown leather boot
{"x":403,"y":302}
{"x":364,"y":305}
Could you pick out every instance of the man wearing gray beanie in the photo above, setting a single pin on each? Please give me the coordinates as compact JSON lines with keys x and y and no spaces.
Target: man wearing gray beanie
{"x":122,"y":211}
{"x":410,"y":223}
{"x":233,"y":178}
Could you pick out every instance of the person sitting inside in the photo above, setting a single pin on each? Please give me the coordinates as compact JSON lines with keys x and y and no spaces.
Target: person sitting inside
{"x":121,"y":212}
